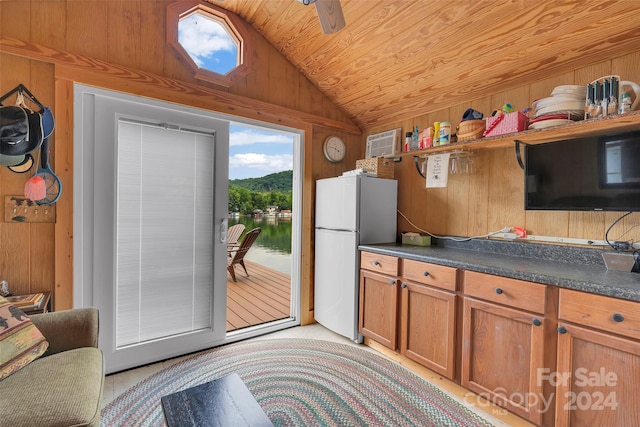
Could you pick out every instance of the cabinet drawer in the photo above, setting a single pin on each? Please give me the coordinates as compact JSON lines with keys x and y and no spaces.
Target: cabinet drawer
{"x":608,"y":314}
{"x":380,"y":263}
{"x":512,"y":292}
{"x":439,"y":276}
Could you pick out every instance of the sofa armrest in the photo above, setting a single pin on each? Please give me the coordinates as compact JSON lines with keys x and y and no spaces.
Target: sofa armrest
{"x":68,"y":329}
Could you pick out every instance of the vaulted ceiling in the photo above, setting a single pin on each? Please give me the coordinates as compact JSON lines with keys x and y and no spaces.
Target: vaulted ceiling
{"x":397,"y":59}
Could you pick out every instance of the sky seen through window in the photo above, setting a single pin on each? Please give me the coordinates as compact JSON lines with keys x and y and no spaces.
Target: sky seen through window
{"x":254,"y":152}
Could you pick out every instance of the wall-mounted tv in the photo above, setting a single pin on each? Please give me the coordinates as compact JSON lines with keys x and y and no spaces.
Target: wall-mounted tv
{"x":584,"y":174}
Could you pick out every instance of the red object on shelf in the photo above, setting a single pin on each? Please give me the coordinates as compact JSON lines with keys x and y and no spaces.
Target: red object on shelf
{"x":506,"y":123}
{"x":520,"y":232}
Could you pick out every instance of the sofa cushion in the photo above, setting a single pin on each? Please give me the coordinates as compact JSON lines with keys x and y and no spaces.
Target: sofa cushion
{"x":65,"y":389}
{"x":20,"y":341}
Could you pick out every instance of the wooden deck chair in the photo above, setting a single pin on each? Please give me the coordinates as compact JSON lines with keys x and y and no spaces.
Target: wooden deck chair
{"x":237,"y":256}
{"x":233,"y":234}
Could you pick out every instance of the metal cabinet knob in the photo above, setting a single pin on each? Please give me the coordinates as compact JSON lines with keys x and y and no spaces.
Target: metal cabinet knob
{"x":562,"y":330}
{"x":392,"y":282}
{"x":404,"y":285}
{"x":426,"y":273}
{"x":376,"y":263}
{"x":536,"y":322}
{"x":617,"y":317}
{"x":498,"y":291}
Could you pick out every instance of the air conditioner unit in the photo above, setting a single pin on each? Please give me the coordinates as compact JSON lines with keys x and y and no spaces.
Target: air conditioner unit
{"x":385,"y":144}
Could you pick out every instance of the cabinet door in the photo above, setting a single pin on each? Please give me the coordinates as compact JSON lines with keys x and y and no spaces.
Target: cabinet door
{"x":428,"y":327}
{"x":378,"y":308}
{"x":503,"y":352}
{"x":597,"y":379}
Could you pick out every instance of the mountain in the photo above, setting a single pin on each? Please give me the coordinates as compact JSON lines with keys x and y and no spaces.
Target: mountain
{"x":279,"y":181}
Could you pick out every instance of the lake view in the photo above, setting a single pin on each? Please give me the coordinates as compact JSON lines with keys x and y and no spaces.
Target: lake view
{"x":273,"y":246}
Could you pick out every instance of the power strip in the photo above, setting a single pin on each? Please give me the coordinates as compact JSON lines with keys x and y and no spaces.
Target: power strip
{"x":552,"y":239}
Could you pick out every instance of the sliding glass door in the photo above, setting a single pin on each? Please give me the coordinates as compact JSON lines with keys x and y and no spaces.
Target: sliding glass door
{"x":151,"y":216}
{"x":164,"y":230}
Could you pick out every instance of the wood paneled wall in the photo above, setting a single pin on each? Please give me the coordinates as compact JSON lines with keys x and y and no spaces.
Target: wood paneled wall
{"x":492,"y":197}
{"x":121,"y":46}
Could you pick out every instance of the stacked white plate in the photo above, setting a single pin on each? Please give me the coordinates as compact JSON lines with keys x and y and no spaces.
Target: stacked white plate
{"x":549,"y":121}
{"x":574,"y":91}
{"x":565,"y":104}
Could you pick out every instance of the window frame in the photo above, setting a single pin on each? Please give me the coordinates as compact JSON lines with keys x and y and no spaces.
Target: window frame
{"x":234,"y":25}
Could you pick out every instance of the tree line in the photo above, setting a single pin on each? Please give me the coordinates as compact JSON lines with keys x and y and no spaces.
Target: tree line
{"x":246,"y":201}
{"x":279,"y":181}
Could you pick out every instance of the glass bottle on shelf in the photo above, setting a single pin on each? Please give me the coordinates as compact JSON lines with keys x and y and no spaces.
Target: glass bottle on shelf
{"x":625,"y":103}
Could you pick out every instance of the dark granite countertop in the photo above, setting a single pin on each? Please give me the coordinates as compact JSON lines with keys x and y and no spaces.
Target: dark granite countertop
{"x":562,"y":266}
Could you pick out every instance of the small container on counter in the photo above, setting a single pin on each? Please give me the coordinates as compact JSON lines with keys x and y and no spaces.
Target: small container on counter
{"x":445,"y":133}
{"x":589,"y":103}
{"x":625,"y":103}
{"x":411,"y":143}
{"x":408,"y":137}
{"x":436,"y":133}
{"x":427,"y":138}
{"x":614,"y":89}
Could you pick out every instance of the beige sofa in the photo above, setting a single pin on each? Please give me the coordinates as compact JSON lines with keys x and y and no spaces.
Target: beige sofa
{"x":64,"y":386}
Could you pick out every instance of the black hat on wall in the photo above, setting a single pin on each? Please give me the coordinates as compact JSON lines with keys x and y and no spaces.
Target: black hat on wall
{"x":20,"y":130}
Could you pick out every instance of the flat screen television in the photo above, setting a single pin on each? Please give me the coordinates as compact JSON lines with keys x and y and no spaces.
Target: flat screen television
{"x":584,"y":174}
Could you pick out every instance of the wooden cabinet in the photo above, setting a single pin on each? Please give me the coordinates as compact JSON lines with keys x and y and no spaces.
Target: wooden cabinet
{"x":598,"y":361}
{"x":427,"y":315}
{"x":379,"y":284}
{"x":555,"y":357}
{"x":504,"y":342}
{"x":425,"y":319}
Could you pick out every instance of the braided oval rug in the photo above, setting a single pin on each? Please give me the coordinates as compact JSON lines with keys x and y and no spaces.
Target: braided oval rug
{"x":302,"y":382}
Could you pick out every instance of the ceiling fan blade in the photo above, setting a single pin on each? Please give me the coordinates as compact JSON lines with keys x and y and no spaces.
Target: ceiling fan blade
{"x":330,"y":15}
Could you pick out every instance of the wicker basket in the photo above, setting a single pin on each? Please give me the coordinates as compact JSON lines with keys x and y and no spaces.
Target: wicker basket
{"x":383,"y":168}
{"x":471,"y":129}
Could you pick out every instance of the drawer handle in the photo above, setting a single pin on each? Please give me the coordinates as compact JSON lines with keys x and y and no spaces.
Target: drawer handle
{"x":537,"y":322}
{"x":376,"y":263}
{"x":498,"y":291}
{"x":617,"y":317}
{"x":562,"y":330}
{"x":426,"y":273}
{"x":404,"y":285}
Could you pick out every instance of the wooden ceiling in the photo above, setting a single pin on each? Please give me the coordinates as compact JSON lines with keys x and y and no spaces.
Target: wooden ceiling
{"x":398,"y":59}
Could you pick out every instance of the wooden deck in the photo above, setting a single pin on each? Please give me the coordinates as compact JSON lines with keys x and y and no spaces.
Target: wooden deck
{"x":262,"y":297}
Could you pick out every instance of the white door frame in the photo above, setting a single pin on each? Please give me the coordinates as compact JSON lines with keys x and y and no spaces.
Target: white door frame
{"x":86,"y":262}
{"x":296,"y":237}
{"x":95,"y":150}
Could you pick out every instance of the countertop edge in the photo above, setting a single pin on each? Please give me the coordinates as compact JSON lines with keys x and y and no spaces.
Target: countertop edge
{"x":576,"y":277}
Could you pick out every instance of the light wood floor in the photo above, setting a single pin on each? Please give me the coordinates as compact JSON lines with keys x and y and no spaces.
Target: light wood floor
{"x":265,"y":296}
{"x":117,"y":384}
{"x":262,"y":297}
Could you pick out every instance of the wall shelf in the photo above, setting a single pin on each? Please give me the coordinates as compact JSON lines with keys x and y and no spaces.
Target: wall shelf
{"x":591,"y":127}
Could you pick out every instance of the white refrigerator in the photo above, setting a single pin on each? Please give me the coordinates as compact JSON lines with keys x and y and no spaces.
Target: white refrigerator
{"x":350,"y":210}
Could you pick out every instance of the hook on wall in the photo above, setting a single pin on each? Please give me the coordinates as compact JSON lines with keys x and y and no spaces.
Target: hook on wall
{"x":518,"y":154}
{"x":22,"y":90}
{"x":418,"y":167}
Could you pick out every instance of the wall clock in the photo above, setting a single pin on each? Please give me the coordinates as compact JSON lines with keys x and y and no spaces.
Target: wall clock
{"x":334,"y":149}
